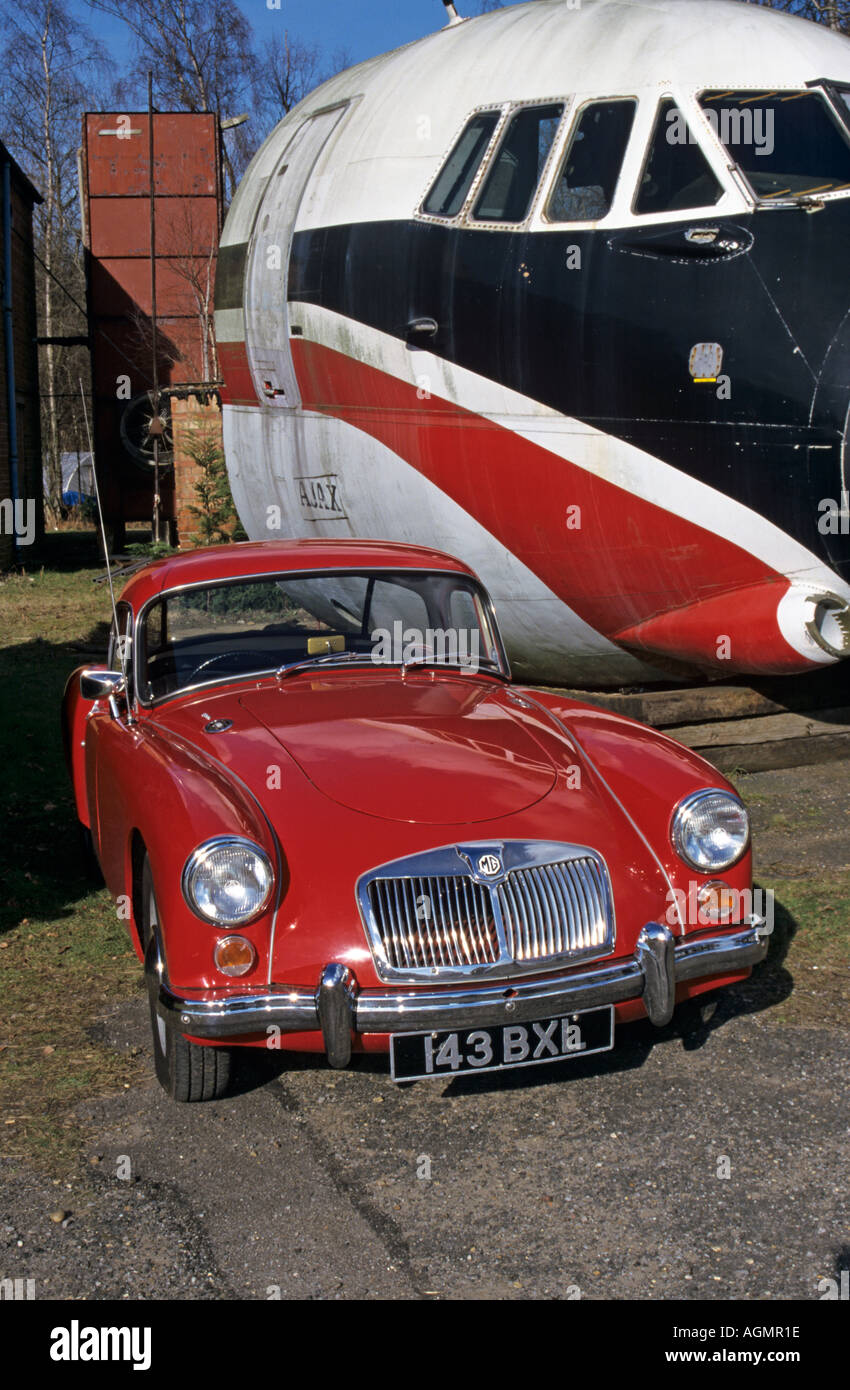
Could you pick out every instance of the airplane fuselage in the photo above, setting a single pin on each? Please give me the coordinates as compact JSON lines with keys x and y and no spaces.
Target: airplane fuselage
{"x":566,"y":292}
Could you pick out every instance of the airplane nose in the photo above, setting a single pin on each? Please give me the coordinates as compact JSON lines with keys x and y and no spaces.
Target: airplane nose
{"x":820,"y":616}
{"x":829,"y":624}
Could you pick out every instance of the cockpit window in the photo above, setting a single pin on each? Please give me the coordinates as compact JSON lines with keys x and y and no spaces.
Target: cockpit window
{"x":787,"y":144}
{"x":585,"y":187}
{"x":676,"y":175}
{"x":519,"y":163}
{"x":454,"y":180}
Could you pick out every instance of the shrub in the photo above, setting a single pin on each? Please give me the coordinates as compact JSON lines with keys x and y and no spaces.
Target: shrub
{"x":215,"y":511}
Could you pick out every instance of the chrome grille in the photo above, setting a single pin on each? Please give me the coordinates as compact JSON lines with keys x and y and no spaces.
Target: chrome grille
{"x":554,"y":909}
{"x":487,"y":908}
{"x":434,"y":920}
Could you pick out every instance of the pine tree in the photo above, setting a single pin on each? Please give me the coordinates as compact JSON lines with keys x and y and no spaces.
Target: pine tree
{"x":216,"y":514}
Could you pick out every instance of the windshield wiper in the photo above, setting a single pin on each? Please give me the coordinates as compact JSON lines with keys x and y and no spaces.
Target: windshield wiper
{"x":325,"y":657}
{"x":456,"y":665}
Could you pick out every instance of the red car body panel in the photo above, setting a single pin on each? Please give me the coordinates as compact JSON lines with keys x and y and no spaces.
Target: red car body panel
{"x":335,"y":773}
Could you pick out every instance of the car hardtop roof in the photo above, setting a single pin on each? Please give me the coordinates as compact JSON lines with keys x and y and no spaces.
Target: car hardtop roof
{"x":243,"y":559}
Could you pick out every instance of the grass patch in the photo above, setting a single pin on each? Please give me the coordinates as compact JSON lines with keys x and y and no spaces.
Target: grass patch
{"x":818,"y":954}
{"x":64,"y":955}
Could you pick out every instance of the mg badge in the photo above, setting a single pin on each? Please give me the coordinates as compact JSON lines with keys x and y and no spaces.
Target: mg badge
{"x":489,"y":865}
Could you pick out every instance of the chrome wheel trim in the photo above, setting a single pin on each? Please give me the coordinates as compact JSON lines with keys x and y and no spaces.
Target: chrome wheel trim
{"x":153,"y":923}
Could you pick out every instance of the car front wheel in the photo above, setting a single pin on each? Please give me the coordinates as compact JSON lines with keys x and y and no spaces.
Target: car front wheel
{"x":185,"y":1070}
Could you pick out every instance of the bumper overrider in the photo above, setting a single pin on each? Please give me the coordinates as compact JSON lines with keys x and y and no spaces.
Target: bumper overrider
{"x":339,"y":1008}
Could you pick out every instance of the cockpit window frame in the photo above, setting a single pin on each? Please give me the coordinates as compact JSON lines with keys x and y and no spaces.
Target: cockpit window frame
{"x":829,"y":91}
{"x":735,"y":199}
{"x":488,"y":164}
{"x":463,"y":217}
{"x":837,"y":94}
{"x":564,"y":143}
{"x":491,"y":109}
{"x":488,"y":109}
{"x":685,"y":109}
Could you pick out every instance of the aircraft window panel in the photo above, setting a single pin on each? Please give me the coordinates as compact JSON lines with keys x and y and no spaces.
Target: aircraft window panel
{"x":448,"y":193}
{"x":676,"y":175}
{"x":787,"y":144}
{"x":518,"y":166}
{"x":586,"y":185}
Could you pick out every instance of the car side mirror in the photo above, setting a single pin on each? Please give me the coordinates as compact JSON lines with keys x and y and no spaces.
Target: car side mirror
{"x":103,"y":685}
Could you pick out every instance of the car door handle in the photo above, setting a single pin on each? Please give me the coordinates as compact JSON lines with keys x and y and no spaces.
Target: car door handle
{"x":419,"y":329}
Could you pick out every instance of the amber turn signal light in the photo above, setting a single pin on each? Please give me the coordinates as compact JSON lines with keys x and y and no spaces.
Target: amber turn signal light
{"x":233,"y":955}
{"x":717,"y":901}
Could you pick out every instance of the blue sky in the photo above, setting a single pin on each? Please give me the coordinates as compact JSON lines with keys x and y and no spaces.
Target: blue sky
{"x":363,"y":27}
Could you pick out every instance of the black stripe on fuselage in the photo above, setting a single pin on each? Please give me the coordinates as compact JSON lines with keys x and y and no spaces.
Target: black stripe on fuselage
{"x":600,"y":326}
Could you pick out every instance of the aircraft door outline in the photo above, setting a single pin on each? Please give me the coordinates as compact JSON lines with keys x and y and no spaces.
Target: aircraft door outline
{"x":267,"y":282}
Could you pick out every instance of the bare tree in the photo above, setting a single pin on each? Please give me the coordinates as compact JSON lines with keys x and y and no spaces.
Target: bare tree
{"x":52,"y":66}
{"x":835,"y":14}
{"x":288,"y":71}
{"x":202,"y":59}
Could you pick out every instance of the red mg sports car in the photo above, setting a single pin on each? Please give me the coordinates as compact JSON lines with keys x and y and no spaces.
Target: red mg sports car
{"x":335,"y":826}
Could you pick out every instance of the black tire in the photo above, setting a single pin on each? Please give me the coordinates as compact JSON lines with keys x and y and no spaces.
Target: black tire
{"x":692,"y":1018}
{"x":185,"y":1070}
{"x":88,"y":858}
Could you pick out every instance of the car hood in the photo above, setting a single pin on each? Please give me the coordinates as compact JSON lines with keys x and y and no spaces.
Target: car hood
{"x":423,"y":749}
{"x":357,"y":770}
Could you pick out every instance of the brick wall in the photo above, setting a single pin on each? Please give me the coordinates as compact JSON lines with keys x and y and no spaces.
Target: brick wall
{"x":191,"y":418}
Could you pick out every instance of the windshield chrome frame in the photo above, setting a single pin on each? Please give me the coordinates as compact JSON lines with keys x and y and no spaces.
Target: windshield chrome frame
{"x":502,"y":673}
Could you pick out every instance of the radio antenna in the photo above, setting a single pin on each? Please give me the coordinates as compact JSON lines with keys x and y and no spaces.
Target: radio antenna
{"x":118,"y":642}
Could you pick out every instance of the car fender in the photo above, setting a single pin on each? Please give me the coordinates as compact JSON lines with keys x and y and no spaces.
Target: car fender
{"x":647,"y":773}
{"x":160,"y":795}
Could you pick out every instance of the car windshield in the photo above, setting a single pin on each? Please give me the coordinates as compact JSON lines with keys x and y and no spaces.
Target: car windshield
{"x":201,"y":635}
{"x":788,"y":144}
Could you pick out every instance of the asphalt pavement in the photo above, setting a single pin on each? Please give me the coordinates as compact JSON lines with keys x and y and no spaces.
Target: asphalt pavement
{"x":707,"y":1160}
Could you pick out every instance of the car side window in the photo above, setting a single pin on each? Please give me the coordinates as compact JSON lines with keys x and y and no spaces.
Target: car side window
{"x":393,"y":602}
{"x":448,"y":193}
{"x":585,"y":187}
{"x":676,"y":174}
{"x":516,"y":170}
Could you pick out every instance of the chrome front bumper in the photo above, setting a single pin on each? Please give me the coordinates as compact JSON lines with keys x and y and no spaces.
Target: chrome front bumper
{"x":339,"y":1007}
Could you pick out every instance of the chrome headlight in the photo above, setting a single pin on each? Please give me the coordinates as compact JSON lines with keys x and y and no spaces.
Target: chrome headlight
{"x":228,"y":881}
{"x":711,"y":830}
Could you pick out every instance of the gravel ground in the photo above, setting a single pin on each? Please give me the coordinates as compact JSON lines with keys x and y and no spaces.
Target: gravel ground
{"x":708,"y":1160}
{"x":800,"y":818}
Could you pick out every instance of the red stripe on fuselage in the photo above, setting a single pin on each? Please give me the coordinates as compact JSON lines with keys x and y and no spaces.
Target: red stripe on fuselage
{"x":627,"y":562}
{"x":238,"y":386}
